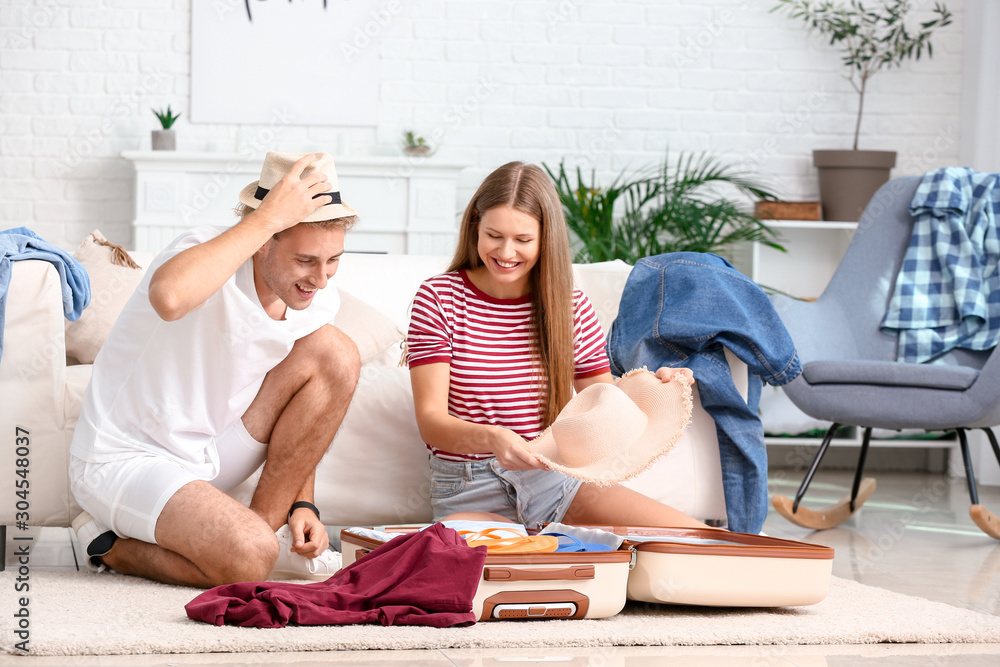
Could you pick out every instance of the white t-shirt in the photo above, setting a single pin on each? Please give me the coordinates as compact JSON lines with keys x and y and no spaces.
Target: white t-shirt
{"x":170,"y":387}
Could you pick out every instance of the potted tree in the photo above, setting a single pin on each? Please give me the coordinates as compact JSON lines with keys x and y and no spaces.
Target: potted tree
{"x":165,"y":140}
{"x":870,"y":38}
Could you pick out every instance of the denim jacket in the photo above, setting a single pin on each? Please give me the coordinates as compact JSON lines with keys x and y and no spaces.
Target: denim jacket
{"x":679,"y":310}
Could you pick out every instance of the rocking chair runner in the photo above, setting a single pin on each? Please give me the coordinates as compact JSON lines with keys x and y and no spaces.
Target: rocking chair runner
{"x":850,"y":376}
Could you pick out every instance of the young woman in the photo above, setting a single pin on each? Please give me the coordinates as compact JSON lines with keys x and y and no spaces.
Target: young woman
{"x":496,"y":346}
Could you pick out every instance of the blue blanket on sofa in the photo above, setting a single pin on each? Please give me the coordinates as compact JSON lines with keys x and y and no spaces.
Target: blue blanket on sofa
{"x":947,"y":293}
{"x":22,"y":243}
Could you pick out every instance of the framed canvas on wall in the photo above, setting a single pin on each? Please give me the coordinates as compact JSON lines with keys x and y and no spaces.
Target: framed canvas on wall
{"x":274,"y":62}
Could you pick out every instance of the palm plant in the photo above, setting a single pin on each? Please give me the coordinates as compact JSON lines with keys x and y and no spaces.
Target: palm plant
{"x":676,"y":206}
{"x":590,"y":211}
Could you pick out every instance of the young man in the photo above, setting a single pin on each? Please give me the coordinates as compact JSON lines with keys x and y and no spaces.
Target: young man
{"x":223,"y":359}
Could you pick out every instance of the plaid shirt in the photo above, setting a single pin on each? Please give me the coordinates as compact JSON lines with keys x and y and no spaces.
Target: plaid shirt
{"x":947,"y":294}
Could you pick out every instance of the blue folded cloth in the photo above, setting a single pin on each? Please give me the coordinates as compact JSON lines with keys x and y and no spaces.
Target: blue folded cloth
{"x":570,"y":544}
{"x":22,"y":243}
{"x":947,"y":293}
{"x":577,"y":538}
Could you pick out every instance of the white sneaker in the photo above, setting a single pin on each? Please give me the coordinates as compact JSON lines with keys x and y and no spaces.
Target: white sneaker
{"x":291,"y":565}
{"x":95,"y":540}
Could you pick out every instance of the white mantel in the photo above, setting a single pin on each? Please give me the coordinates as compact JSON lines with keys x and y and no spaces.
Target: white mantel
{"x":405,"y":205}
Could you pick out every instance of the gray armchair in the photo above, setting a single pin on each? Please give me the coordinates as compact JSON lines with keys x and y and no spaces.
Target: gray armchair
{"x":850,"y":376}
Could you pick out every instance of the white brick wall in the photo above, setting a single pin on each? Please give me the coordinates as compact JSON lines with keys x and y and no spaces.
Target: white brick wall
{"x":607,"y":84}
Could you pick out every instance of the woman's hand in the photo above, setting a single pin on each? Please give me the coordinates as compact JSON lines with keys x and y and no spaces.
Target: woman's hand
{"x":667,"y":374}
{"x":512,"y":452}
{"x":309,"y":536}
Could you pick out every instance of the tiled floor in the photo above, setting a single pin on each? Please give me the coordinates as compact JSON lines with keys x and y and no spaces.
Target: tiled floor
{"x":914,"y":536}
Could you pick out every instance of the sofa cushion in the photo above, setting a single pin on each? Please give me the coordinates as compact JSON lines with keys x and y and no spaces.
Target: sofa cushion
{"x":890,"y":374}
{"x":113,"y":278}
{"x":376,"y":471}
{"x":387,"y":283}
{"x":377,"y":337}
{"x":603,"y":283}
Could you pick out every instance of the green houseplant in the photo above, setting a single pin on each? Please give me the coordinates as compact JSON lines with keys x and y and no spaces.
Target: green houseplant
{"x":164,"y":139}
{"x":416,"y":145}
{"x":870,"y":37}
{"x":679,"y":205}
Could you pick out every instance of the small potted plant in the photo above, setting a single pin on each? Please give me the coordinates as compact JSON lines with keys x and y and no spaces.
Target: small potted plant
{"x":165,"y":140}
{"x":870,"y":37}
{"x":415,"y":145}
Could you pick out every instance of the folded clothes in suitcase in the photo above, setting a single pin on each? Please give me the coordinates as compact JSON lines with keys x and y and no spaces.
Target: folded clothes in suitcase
{"x":723,"y":569}
{"x":530,"y":585}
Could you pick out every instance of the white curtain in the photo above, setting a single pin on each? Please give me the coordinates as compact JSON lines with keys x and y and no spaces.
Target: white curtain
{"x":980,"y":149}
{"x":980,"y":121}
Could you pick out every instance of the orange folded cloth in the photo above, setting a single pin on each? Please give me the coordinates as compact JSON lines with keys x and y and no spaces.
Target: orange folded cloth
{"x":514,"y":543}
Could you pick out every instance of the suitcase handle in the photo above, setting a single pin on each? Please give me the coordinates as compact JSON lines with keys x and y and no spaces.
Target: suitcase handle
{"x":571,"y":573}
{"x":540,"y":604}
{"x":359,"y":553}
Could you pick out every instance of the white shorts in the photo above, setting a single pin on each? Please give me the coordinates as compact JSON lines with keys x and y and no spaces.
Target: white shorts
{"x":128,"y":494}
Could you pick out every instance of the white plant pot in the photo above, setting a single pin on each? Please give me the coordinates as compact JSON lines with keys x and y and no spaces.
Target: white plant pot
{"x":164,"y":140}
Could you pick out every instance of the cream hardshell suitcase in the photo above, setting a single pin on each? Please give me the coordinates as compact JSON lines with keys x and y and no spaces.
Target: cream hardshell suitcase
{"x":718,"y":568}
{"x":535,"y":585}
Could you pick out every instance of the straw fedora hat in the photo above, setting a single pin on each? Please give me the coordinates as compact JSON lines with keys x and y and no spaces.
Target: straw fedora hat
{"x":276,"y":165}
{"x":609,"y":433}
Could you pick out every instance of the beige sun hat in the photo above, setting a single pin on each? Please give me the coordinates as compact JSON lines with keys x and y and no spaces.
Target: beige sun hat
{"x":609,"y":433}
{"x":276,"y":165}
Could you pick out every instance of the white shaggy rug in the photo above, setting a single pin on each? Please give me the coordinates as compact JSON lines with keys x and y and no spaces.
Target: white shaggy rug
{"x":79,"y":613}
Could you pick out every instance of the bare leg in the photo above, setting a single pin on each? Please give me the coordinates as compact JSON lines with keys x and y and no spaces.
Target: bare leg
{"x":297,"y":412}
{"x":205,"y":538}
{"x":618,"y":505}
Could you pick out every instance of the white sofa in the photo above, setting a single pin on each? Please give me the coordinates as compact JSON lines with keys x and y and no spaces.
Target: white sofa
{"x":375,"y":471}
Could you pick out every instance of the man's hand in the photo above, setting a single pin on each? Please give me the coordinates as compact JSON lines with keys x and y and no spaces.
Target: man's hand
{"x":309,"y":536}
{"x":187,"y":280}
{"x":294,"y":197}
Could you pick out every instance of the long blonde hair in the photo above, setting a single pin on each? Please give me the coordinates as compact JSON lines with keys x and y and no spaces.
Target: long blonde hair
{"x":526,"y":188}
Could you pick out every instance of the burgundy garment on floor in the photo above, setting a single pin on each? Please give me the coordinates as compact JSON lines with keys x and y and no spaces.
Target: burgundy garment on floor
{"x":424,"y":578}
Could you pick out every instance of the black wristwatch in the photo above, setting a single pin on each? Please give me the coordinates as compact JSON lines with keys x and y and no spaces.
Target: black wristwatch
{"x":303,"y":503}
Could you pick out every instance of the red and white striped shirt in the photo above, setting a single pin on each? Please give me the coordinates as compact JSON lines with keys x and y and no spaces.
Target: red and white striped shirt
{"x":489,"y":343}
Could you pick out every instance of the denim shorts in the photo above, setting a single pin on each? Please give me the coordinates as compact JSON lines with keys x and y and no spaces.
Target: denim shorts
{"x":528,"y":497}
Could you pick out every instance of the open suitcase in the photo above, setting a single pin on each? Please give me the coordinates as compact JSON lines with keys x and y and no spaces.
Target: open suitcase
{"x":535,"y":585}
{"x":718,"y":568}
